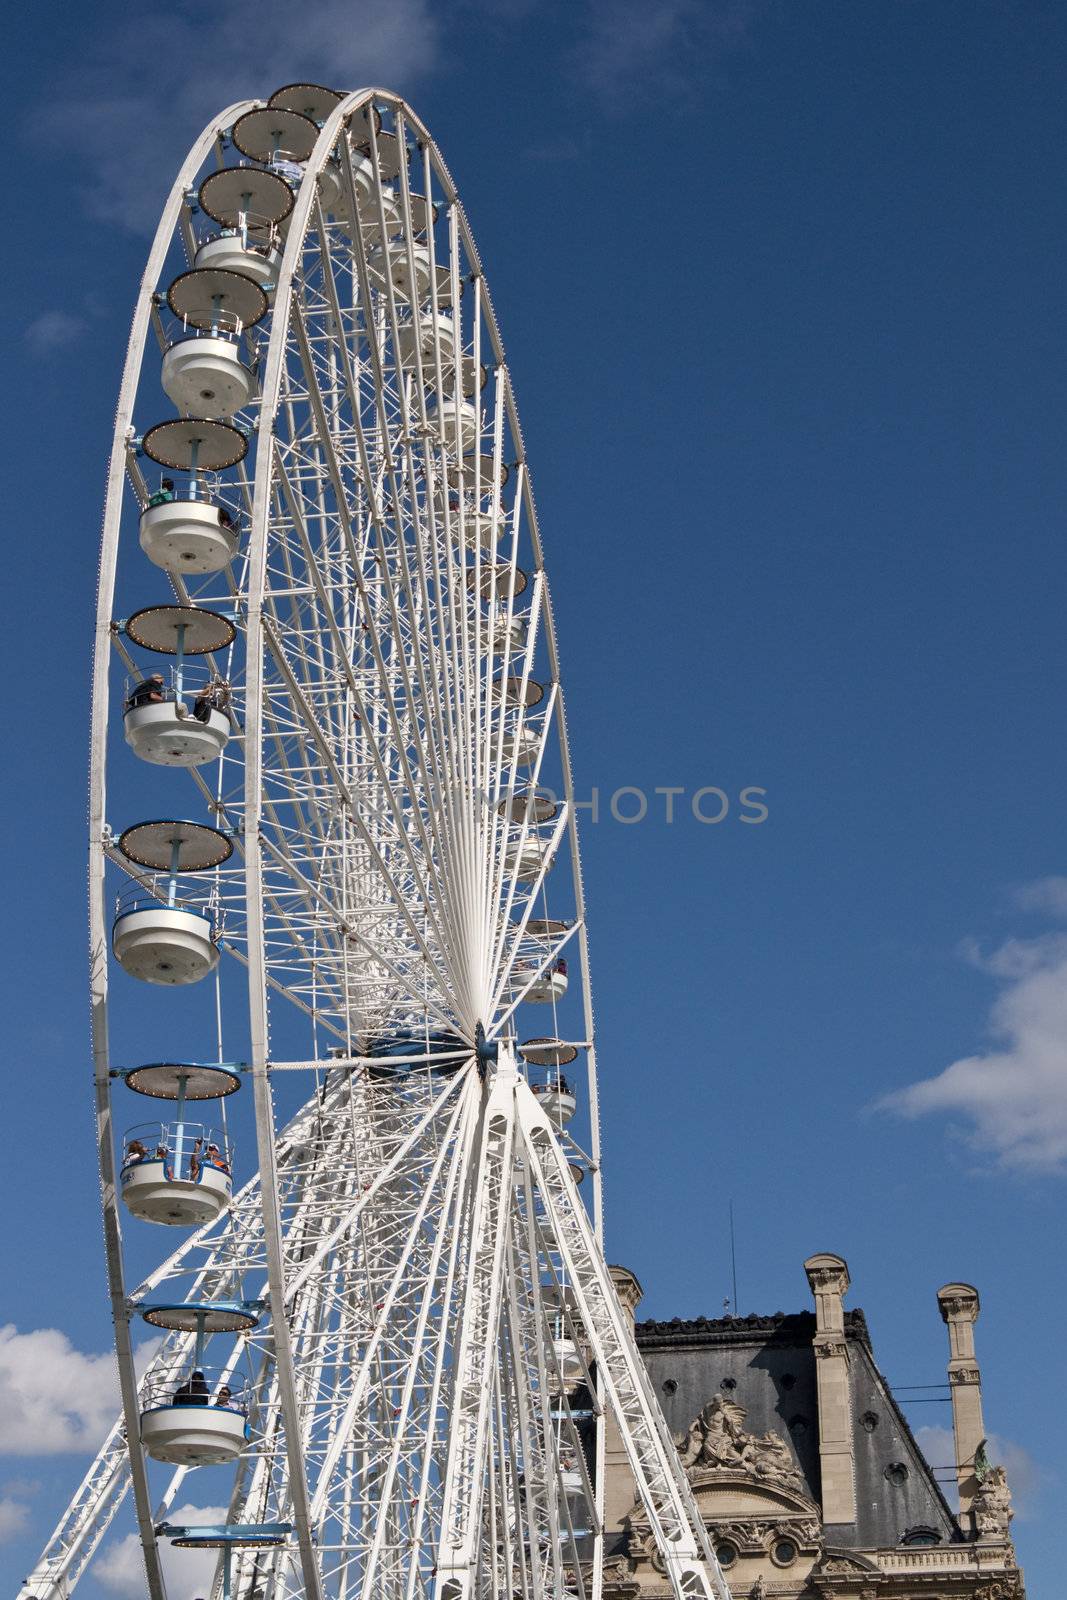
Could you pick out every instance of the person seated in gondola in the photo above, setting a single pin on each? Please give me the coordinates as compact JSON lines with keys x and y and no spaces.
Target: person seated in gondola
{"x":224,"y":1399}
{"x":214,"y":1158}
{"x":556,"y":1085}
{"x":193,"y":1392}
{"x":135,"y":1151}
{"x":194,"y":1160}
{"x":164,"y":493}
{"x":150,"y":691}
{"x":214,"y":696}
{"x":226,"y":519}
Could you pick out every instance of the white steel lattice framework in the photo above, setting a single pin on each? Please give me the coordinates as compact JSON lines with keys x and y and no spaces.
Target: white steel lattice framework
{"x":433,"y":1339}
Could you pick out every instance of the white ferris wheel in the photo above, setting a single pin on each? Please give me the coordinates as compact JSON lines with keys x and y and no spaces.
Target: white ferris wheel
{"x":332,"y":822}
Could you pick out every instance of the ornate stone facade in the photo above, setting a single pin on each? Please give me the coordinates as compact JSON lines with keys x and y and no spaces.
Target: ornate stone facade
{"x":768,"y":1412}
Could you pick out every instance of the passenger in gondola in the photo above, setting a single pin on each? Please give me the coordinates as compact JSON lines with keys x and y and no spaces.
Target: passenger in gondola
{"x":164,"y":493}
{"x":214,"y":1158}
{"x":193,"y":1392}
{"x":149,"y":692}
{"x":214,"y":696}
{"x":226,"y":519}
{"x":135,"y":1151}
{"x":224,"y":1399}
{"x":194,"y":1160}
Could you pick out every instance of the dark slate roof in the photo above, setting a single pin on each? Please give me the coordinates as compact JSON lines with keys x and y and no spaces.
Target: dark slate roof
{"x":767,"y":1365}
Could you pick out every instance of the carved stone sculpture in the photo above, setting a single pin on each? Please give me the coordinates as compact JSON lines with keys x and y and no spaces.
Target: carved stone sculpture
{"x":716,"y":1438}
{"x":772,"y":1458}
{"x":1007,"y":1588}
{"x":992,"y":1505}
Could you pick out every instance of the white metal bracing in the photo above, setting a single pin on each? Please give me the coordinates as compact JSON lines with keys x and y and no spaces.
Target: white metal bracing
{"x":414,"y":1236}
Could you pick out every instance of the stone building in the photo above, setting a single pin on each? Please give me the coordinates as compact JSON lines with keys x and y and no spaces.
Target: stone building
{"x":803,"y":1465}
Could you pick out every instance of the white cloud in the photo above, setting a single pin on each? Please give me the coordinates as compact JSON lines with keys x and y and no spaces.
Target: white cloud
{"x":937,"y":1445}
{"x":1014,"y":1095}
{"x":939,"y":1448}
{"x":21,"y":1488}
{"x":1048,"y":895}
{"x":145,"y":1353}
{"x":52,"y":1397}
{"x":53,"y":330}
{"x":119,"y":1567}
{"x":658,"y":45}
{"x":188,"y":1573}
{"x":13,"y":1516}
{"x":1024,"y":1475}
{"x":142,"y":97}
{"x":1015,"y":958}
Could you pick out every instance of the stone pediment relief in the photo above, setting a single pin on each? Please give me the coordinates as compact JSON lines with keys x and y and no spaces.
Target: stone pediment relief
{"x":839,"y":1563}
{"x":716,"y":1443}
{"x":845,"y":1572}
{"x":747,"y":1487}
{"x":720,"y":1492}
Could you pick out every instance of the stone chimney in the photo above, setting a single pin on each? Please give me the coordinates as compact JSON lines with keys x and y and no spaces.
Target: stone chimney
{"x":829,"y":1280}
{"x":629,"y":1291}
{"x":959,"y":1306}
{"x":620,"y":1491}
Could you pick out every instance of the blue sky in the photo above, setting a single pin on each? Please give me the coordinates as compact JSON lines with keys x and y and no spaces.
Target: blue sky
{"x":781,"y":288}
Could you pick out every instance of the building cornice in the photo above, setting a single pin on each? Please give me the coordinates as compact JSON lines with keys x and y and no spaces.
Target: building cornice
{"x":793,"y":1328}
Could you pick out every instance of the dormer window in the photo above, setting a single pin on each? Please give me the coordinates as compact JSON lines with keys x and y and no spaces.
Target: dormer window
{"x":921,"y":1534}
